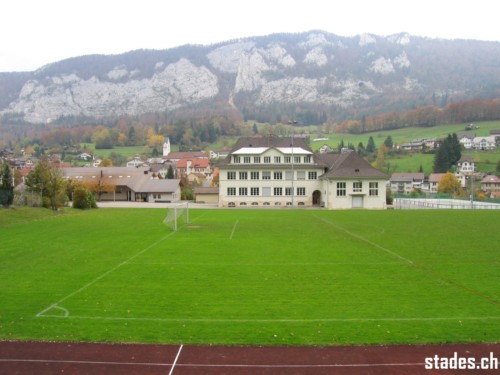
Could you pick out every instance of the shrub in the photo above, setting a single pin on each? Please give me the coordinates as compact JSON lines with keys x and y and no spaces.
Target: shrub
{"x":83,"y":198}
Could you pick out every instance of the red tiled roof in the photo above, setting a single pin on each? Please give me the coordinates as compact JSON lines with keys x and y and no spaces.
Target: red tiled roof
{"x":195,"y":163}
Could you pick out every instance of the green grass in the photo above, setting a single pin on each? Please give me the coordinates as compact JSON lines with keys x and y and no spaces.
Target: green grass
{"x":270,"y":277}
{"x":405,"y":135}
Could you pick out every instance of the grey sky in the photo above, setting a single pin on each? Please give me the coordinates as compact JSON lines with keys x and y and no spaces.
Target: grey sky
{"x":34,"y":33}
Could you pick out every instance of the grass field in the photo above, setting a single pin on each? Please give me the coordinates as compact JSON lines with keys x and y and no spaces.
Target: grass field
{"x":270,"y":277}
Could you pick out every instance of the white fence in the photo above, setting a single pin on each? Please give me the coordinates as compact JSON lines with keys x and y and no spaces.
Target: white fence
{"x":450,"y":204}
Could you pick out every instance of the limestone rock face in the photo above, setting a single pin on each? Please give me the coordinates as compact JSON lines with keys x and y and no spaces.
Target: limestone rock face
{"x":70,"y":95}
{"x":315,"y":68}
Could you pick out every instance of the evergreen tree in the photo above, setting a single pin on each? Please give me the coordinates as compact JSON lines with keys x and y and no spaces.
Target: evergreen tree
{"x":170,"y":173}
{"x":448,"y":154}
{"x":388,"y":142}
{"x":441,"y":159}
{"x":6,"y":186}
{"x":370,"y":147}
{"x":361,"y":149}
{"x":341,"y":145}
{"x":456,"y":149}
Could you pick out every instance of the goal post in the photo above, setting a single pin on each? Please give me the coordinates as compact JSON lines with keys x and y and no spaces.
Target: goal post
{"x":176,"y":214}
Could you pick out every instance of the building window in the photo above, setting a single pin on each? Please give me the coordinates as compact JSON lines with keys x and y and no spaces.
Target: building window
{"x":266,"y":175}
{"x":254,"y":175}
{"x":296,"y":159}
{"x":278,"y":175}
{"x":254,"y":191}
{"x":288,"y":159}
{"x":288,"y":191}
{"x":243,"y":175}
{"x":236,"y":159}
{"x":231,"y":175}
{"x":373,"y":189}
{"x":277,"y":159}
{"x":357,"y":187}
{"x":246,"y":159}
{"x":231,"y":191}
{"x":243,"y":191}
{"x":267,"y":159}
{"x":341,"y":189}
{"x":278,"y":191}
{"x":256,"y":159}
{"x":313,"y":175}
{"x":288,"y":175}
{"x":266,"y":192}
{"x":307,"y":159}
{"x":301,"y":191}
{"x":301,"y":175}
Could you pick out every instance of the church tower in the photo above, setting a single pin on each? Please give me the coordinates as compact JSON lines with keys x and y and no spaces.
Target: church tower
{"x":166,"y":147}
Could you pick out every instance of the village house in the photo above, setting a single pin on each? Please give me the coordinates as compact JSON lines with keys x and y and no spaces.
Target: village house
{"x":186,"y":166}
{"x":491,"y":185}
{"x":128,"y":184}
{"x":433,"y":182}
{"x":325,"y":149}
{"x":465,"y":169}
{"x":405,"y":183}
{"x":467,"y":140}
{"x":206,"y":195}
{"x":485,"y":143}
{"x":283,"y":171}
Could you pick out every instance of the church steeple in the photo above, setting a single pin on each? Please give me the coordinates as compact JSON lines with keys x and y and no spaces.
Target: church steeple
{"x":166,"y":147}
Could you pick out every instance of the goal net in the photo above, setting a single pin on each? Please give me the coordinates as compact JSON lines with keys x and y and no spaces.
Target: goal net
{"x":176,"y":215}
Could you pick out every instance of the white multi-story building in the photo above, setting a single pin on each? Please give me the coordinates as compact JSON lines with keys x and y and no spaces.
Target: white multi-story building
{"x":285,"y":172}
{"x":465,"y":169}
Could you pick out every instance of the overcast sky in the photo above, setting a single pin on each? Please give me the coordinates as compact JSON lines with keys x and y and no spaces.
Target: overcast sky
{"x":37,"y":32}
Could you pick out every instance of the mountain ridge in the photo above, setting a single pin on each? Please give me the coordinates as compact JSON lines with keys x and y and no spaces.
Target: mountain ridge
{"x":314,"y":76}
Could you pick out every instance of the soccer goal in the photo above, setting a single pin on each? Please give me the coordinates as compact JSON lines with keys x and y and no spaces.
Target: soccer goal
{"x":176,"y":214}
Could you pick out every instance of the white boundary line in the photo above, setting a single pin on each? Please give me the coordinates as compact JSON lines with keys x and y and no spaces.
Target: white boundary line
{"x":366,"y":240}
{"x":319,"y":320}
{"x":56,"y":305}
{"x":208,"y":365}
{"x":83,"y":362}
{"x":417,"y":266}
{"x":333,"y":365}
{"x":266,"y":264}
{"x":234,"y":228}
{"x":175,"y":360}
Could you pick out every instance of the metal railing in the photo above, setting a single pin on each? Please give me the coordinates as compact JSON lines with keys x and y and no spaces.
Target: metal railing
{"x":440,"y":203}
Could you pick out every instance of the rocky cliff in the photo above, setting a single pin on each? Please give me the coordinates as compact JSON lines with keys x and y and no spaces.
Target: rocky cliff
{"x":314,"y":71}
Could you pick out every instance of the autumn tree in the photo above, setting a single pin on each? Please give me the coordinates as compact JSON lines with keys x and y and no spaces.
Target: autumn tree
{"x":47,"y":182}
{"x":450,"y":184}
{"x":380,"y":161}
{"x":106,"y":162}
{"x":102,"y":138}
{"x":155,"y":141}
{"x":100,"y":186}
